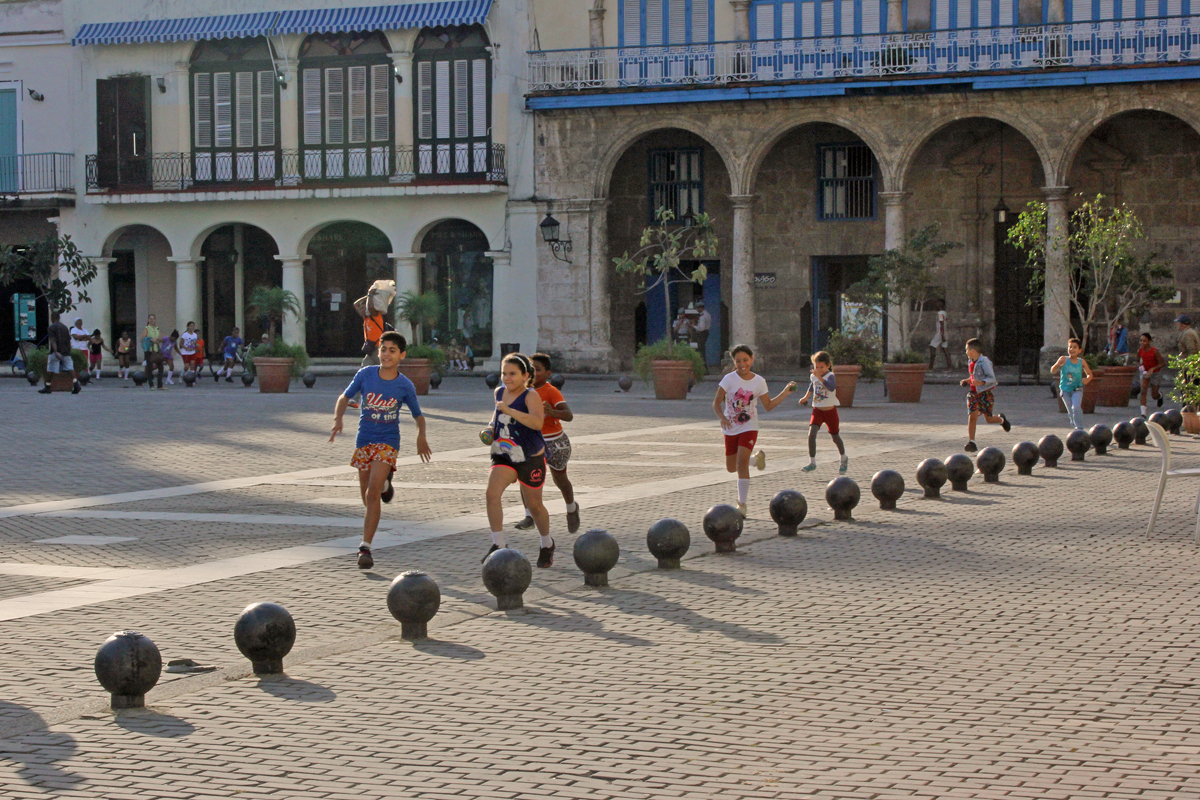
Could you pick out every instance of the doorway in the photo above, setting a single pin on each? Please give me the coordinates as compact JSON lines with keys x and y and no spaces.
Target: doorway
{"x":228,"y":250}
{"x":347,"y":257}
{"x":652,"y":314}
{"x":459,"y":270}
{"x":122,"y":295}
{"x":831,"y":276}
{"x":123,"y":131}
{"x":1018,"y":322}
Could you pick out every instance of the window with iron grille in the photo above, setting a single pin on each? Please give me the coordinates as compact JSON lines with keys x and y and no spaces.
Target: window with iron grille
{"x":846,"y":182}
{"x":677,"y":181}
{"x":452,"y":117}
{"x":235,"y":102}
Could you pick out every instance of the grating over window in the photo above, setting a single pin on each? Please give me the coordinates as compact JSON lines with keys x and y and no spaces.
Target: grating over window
{"x":677,"y":181}
{"x":846,"y":182}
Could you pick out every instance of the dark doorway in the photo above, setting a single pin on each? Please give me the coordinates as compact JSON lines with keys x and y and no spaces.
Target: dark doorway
{"x":458,"y":268}
{"x":122,"y":296}
{"x":831,"y":276}
{"x":347,"y":258}
{"x":1018,"y":322}
{"x":685,"y":294}
{"x":218,"y":284}
{"x":123,"y":131}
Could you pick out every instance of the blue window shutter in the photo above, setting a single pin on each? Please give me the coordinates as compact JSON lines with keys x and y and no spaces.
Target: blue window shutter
{"x":8,"y":142}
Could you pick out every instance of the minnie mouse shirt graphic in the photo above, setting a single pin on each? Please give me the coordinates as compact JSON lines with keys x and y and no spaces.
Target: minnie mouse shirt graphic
{"x":741,"y":402}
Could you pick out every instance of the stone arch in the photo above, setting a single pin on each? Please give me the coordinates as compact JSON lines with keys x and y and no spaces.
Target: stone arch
{"x":232,"y":258}
{"x":495,"y":242}
{"x":1070,"y":150}
{"x":307,"y":237}
{"x":111,"y":240}
{"x":632,"y":134}
{"x":922,"y":136}
{"x":342,"y":258}
{"x":201,"y":237}
{"x":759,"y":151}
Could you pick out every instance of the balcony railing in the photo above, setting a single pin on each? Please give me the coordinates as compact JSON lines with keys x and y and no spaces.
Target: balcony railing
{"x":206,"y":171}
{"x":1082,"y":44}
{"x":36,"y":173}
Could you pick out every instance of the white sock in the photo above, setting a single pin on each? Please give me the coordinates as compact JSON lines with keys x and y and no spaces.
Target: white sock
{"x":1143,"y":410}
{"x":812,"y":460}
{"x":530,"y":515}
{"x":743,"y":490}
{"x":546,"y":541}
{"x":363,"y":543}
{"x":845,"y":458}
{"x":498,"y":538}
{"x":572,"y":506}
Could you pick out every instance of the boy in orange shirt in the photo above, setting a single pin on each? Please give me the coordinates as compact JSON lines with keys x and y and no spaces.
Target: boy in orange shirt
{"x":558,"y":446}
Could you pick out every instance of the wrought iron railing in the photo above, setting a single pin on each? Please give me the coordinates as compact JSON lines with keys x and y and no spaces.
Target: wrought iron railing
{"x":1081,"y":44}
{"x":197,"y":171}
{"x":36,"y":173}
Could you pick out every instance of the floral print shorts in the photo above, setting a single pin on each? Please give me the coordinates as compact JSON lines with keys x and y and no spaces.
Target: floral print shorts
{"x":370,"y":453}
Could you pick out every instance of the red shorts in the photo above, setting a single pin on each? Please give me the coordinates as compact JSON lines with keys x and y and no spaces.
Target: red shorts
{"x":826,"y":416}
{"x":196,"y":361}
{"x":94,"y":360}
{"x":744,"y":439}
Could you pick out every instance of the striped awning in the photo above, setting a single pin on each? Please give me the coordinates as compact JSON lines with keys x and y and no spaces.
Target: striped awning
{"x":231,"y":26}
{"x":398,"y":17}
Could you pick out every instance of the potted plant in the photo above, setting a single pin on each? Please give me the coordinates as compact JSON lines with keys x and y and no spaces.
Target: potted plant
{"x":420,"y":362}
{"x":854,"y":356}
{"x":672,"y":366}
{"x":420,"y":311}
{"x":901,"y":277}
{"x":1186,"y":391}
{"x":276,"y":362}
{"x":60,"y":382}
{"x":1112,"y":377}
{"x":663,"y":247}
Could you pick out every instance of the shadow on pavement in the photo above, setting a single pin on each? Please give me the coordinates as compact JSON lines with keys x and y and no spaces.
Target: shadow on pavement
{"x":546,"y":615}
{"x":35,"y":753}
{"x":449,"y":650}
{"x":149,"y":722}
{"x":295,"y":689}
{"x":644,"y":604}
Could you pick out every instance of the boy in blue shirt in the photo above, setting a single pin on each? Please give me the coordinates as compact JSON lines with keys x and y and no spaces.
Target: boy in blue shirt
{"x":383,"y":390}
{"x":229,"y":349}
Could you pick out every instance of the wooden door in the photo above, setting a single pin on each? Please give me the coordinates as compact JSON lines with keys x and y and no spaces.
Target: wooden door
{"x":123,"y":132}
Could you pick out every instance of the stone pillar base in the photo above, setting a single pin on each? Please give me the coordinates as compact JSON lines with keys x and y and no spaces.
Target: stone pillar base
{"x":1046,"y":358}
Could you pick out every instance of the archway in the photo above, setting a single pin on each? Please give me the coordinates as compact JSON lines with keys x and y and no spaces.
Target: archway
{"x":457,"y":268}
{"x":235,"y":259}
{"x":345,"y":258}
{"x":679,"y":170}
{"x":141,"y":281}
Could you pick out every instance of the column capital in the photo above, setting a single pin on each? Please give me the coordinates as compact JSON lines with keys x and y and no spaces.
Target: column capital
{"x":1054,"y":193}
{"x":406,"y":256}
{"x":184,"y":263}
{"x":502,"y":256}
{"x":100,"y":261}
{"x":596,"y":13}
{"x":894,"y":198}
{"x":742,"y":200}
{"x":292,"y":260}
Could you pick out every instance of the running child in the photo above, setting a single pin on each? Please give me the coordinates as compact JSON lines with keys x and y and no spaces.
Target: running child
{"x":124,"y":354}
{"x":384,"y":390}
{"x":229,"y":349}
{"x":95,"y":349}
{"x":736,"y":406}
{"x":188,"y":341}
{"x":169,"y":346}
{"x":558,"y":446}
{"x":980,"y":380}
{"x":518,"y":452}
{"x":1075,"y":375}
{"x":822,"y":392}
{"x":1151,"y":362}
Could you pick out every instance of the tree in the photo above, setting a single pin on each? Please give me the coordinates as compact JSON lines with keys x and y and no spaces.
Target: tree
{"x":1105,"y":272}
{"x":273,"y":302}
{"x":663,"y":247}
{"x":902,"y":276}
{"x":45,"y":263}
{"x":419,"y":309}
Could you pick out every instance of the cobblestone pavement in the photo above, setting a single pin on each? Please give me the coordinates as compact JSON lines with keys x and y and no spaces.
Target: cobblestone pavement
{"x":1023,"y":639}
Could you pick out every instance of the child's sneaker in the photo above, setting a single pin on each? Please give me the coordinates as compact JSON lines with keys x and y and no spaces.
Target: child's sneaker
{"x":1160,"y":401}
{"x":741,"y":507}
{"x":1004,"y":423}
{"x":845,"y":465}
{"x":760,"y":460}
{"x":364,"y":557}
{"x":524,"y":524}
{"x":546,"y":556}
{"x":387,"y":494}
{"x":491,"y":550}
{"x":573,"y":520}
{"x":809,"y":468}
{"x":970,"y":447}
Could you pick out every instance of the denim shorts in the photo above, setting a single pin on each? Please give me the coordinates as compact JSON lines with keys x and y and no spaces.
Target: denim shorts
{"x":56,"y":362}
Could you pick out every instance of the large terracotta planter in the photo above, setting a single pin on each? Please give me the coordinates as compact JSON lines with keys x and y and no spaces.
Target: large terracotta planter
{"x":904,"y":382}
{"x":846,"y":378}
{"x":418,"y":371}
{"x":671,"y":379}
{"x":274,"y":374}
{"x":1191,"y":422}
{"x":1115,"y":385}
{"x":1091,"y":391}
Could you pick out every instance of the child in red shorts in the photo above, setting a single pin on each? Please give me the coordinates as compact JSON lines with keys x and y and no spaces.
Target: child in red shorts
{"x":736,"y":405}
{"x":822,"y":391}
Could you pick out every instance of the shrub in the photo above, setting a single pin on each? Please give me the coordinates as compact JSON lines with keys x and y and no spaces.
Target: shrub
{"x":278,"y":349}
{"x":861,"y":350}
{"x":1186,"y":391}
{"x":36,"y":363}
{"x":666,"y":350}
{"x":435,"y":354}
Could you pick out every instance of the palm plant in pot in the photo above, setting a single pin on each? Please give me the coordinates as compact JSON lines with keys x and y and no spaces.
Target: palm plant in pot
{"x":420,"y":311}
{"x":276,"y":362}
{"x":1186,"y":391}
{"x":663,"y":248}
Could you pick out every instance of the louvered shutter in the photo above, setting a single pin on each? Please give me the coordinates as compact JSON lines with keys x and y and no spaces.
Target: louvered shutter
{"x":787,"y":25}
{"x":807,"y":20}
{"x":677,"y":21}
{"x":312,"y":106}
{"x":479,"y":97}
{"x":964,"y":13}
{"x":764,"y":21}
{"x":425,"y":100}
{"x":202,"y":102}
{"x":826,"y":17}
{"x":357,"y":104}
{"x":441,"y":88}
{"x":244,"y":109}
{"x":222,"y":82}
{"x":462,"y":100}
{"x":632,"y":30}
{"x":335,"y":105}
{"x":700,"y":21}
{"x":942,"y":16}
{"x":381,"y":103}
{"x":847,"y":25}
{"x":654,"y":22}
{"x":871,"y":19}
{"x":266,"y":109}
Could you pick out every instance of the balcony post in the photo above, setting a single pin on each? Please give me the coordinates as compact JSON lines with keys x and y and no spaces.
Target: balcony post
{"x":741,"y":19}
{"x":293,"y":281}
{"x":408,"y":278}
{"x":742,"y":326}
{"x":187,"y":291}
{"x":1057,"y":324}
{"x":596,"y":28}
{"x":893,"y":239}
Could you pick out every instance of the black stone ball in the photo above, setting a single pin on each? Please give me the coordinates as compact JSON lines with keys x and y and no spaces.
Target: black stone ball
{"x":1101,"y":436}
{"x":1025,"y":455}
{"x":723,"y":525}
{"x":310,"y":379}
{"x":265,"y":633}
{"x":668,"y":540}
{"x":506,"y":575}
{"x":990,"y":463}
{"x":1176,"y":417}
{"x":1123,"y":434}
{"x":435,"y":379}
{"x":1051,"y":448}
{"x":959,"y":469}
{"x":1161,"y":419}
{"x":843,"y":495}
{"x":32,"y":377}
{"x":128,"y":665}
{"x":139,"y":378}
{"x":189,"y":377}
{"x":887,"y":486}
{"x":932,"y":476}
{"x":1140,"y":431}
{"x":247,"y":378}
{"x":557,"y":380}
{"x":492,"y":380}
{"x":625,"y":383}
{"x":414,"y":597}
{"x":84,"y":377}
{"x":1078,"y":442}
{"x":788,"y":509}
{"x":596,"y":552}
{"x":691,"y":383}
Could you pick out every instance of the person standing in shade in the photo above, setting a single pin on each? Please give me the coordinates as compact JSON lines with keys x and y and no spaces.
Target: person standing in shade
{"x":59,"y":359}
{"x":1118,"y":338}
{"x":1075,"y":374}
{"x":700,"y":330}
{"x":940,"y":340}
{"x":1189,"y":339}
{"x":79,"y":339}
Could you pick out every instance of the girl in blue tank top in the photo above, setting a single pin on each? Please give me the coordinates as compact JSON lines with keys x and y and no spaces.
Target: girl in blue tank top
{"x":1073,"y":373}
{"x":518,"y":452}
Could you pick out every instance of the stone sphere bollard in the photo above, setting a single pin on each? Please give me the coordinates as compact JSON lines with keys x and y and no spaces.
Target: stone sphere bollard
{"x":668,"y":540}
{"x":596,"y":552}
{"x":842,"y":495}
{"x":189,"y":377}
{"x":127,"y":666}
{"x":1101,"y":436}
{"x":887,"y":486}
{"x":1051,"y":448}
{"x":1140,"y":431}
{"x":1176,"y":417}
{"x":723,"y":525}
{"x":413,"y":598}
{"x":32,"y":377}
{"x":139,"y":378}
{"x":310,"y":379}
{"x":931,"y":475}
{"x":1162,"y":420}
{"x":492,"y":380}
{"x":1025,"y":455}
{"x":247,"y":379}
{"x":265,"y":633}
{"x":557,"y":380}
{"x":788,"y":509}
{"x":1078,"y":442}
{"x":83,"y":377}
{"x":625,"y":383}
{"x":959,"y":469}
{"x":435,"y":379}
{"x":1123,"y":434}
{"x":507,"y":574}
{"x":990,"y":463}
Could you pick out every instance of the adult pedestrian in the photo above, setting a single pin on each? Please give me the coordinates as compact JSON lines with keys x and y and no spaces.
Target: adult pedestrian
{"x":940,"y":340}
{"x":151,"y":339}
{"x":79,"y":339}
{"x":682,"y":326}
{"x":374,"y":326}
{"x":1118,"y":338}
{"x":700,"y":330}
{"x":59,"y":359}
{"x":1189,"y":339}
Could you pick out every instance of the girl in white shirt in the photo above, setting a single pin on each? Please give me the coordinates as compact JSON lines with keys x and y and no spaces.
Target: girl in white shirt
{"x":822,"y":391}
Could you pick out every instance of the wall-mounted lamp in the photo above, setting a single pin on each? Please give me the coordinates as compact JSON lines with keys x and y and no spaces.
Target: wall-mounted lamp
{"x":38,"y":96}
{"x":162,"y":84}
{"x":281,"y":78}
{"x":561,"y":249}
{"x":399,"y":77}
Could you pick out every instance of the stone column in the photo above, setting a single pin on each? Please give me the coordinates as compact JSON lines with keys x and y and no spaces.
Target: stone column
{"x":742,"y":329}
{"x":187,"y":291}
{"x":598,"y":266}
{"x":100,"y":303}
{"x":741,"y":20}
{"x":596,"y":27}
{"x":895,"y":16}
{"x":893,"y":238}
{"x":1057,"y":325}
{"x":293,"y":281}
{"x":505,"y":306}
{"x":239,"y":277}
{"x":402,"y":62}
{"x":408,"y":279}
